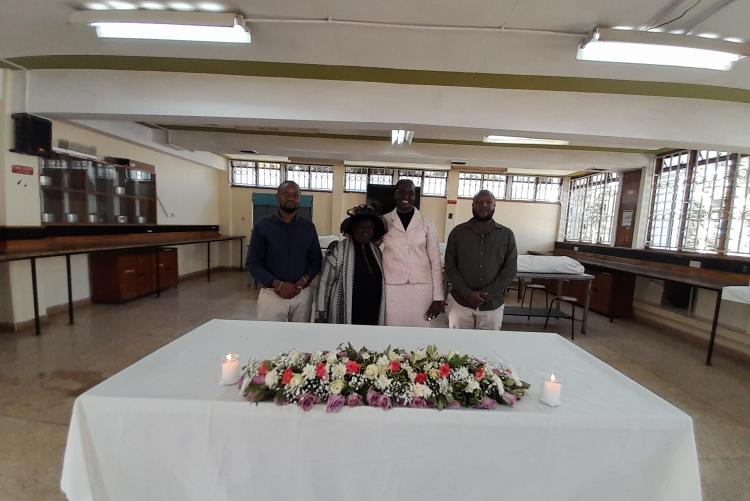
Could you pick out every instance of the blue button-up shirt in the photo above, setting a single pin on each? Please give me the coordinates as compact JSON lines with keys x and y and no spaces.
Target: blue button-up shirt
{"x":283,"y":251}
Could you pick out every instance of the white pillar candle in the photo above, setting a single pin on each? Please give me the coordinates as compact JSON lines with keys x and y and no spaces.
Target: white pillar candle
{"x":230,"y":369}
{"x":551,"y":390}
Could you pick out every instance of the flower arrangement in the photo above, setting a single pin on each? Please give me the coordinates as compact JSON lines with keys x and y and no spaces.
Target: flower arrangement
{"x":391,"y":378}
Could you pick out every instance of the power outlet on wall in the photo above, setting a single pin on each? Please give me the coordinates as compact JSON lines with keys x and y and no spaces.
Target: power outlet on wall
{"x":575,"y":248}
{"x":695,"y":264}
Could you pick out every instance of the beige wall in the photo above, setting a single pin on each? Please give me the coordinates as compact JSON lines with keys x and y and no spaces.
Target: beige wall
{"x":189,"y":192}
{"x":534,"y":224}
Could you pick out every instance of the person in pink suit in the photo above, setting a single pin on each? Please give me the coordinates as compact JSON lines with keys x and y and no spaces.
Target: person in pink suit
{"x":413,"y":273}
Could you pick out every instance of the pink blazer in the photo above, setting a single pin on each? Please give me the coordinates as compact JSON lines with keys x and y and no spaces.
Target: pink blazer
{"x":412,"y":256}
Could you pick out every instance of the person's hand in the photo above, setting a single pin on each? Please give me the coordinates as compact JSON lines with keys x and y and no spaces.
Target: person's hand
{"x":476,"y":299}
{"x":285,"y":290}
{"x":301,"y":283}
{"x":435,"y":309}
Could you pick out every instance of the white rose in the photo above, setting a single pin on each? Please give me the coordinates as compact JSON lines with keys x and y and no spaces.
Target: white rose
{"x":383,"y":361}
{"x":382,"y":382}
{"x":295,"y":381}
{"x":371,"y":371}
{"x":392,"y":355}
{"x":337,"y":387}
{"x":272,"y":378}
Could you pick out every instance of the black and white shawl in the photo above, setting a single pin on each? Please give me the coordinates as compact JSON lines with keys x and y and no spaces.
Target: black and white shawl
{"x":334,"y":302}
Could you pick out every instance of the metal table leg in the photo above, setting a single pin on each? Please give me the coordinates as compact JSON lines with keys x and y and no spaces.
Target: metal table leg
{"x":158,"y":273}
{"x":713,"y":328}
{"x":241,"y":241}
{"x":208,"y":264}
{"x":37,"y":326}
{"x":71,"y":319}
{"x":586,"y":303}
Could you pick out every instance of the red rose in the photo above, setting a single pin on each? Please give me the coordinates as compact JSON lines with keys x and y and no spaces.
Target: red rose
{"x":445,"y":371}
{"x":320,"y":371}
{"x":395,"y":366}
{"x":421,"y":378}
{"x":286,"y":376}
{"x":479,"y":374}
{"x":352,"y":367}
{"x":263,"y":370}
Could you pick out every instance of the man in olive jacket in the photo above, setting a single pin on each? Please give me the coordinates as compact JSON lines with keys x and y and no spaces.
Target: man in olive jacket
{"x":480,"y":263}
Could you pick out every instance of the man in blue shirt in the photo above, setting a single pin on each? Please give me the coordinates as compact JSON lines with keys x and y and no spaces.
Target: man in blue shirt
{"x":284,"y":257}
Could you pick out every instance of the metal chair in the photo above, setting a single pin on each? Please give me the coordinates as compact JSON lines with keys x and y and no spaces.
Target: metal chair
{"x":572,"y":302}
{"x":534,"y":288}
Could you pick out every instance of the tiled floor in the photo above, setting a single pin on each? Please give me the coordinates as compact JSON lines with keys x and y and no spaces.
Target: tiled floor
{"x":41,"y":376}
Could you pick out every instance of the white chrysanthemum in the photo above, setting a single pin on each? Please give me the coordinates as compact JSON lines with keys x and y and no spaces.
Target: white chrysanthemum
{"x":410,"y":372}
{"x":338,"y":371}
{"x":371,"y":371}
{"x":308,"y":371}
{"x":365,"y":355}
{"x":382,"y":382}
{"x":337,"y":387}
{"x":383,"y":361}
{"x":295,"y":381}
{"x":392,"y":355}
{"x":462,"y":373}
{"x":272,"y":379}
{"x":422,"y":391}
{"x":317,"y":356}
{"x":471,"y":386}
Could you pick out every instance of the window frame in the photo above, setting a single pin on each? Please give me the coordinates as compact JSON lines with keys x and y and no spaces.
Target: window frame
{"x":283,"y":175}
{"x":396,"y":174}
{"x":728,"y":185}
{"x":507,"y":194}
{"x":607,"y":201}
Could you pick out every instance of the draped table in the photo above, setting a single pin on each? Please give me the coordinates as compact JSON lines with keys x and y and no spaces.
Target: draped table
{"x":165,"y":429}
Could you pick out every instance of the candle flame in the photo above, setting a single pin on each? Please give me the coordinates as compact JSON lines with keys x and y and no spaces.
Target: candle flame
{"x":228,"y":356}
{"x":552,"y":378}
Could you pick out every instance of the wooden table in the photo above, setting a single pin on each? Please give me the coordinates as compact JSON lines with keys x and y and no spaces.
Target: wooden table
{"x":148,"y":241}
{"x":697,"y":277}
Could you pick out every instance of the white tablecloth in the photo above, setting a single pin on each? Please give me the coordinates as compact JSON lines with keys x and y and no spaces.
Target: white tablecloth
{"x":164,"y":429}
{"x":736,"y":293}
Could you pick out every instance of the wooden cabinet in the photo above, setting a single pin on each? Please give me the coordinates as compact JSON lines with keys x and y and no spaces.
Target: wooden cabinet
{"x":611,"y":292}
{"x":124,"y":275}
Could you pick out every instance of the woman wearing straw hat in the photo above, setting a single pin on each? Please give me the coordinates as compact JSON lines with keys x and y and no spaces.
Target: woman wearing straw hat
{"x":351,"y":284}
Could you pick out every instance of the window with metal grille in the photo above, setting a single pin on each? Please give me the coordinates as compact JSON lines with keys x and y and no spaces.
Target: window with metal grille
{"x":700,"y":202}
{"x":470,"y":183}
{"x":270,"y":174}
{"x":433,"y":183}
{"x":548,"y":189}
{"x":591,"y":208}
{"x":522,"y":187}
{"x":381,"y":176}
{"x":311,"y":177}
{"x":355,"y":179}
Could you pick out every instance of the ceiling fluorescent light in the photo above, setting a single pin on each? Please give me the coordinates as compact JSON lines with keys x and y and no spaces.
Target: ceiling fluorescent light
{"x":523,"y":140}
{"x":166,"y":25}
{"x":400,"y":136}
{"x":667,"y":49}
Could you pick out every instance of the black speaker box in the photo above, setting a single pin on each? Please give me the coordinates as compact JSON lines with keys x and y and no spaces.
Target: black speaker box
{"x":33,"y":135}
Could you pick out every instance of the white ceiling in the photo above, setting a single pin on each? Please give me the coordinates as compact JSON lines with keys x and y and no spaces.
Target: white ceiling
{"x":40,"y":27}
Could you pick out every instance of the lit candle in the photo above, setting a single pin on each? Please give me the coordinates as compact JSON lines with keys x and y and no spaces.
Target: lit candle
{"x":551,"y":390}
{"x":230,"y":369}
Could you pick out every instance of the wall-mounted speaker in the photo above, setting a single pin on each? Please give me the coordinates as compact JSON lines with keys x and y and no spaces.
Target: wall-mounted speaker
{"x":33,"y":135}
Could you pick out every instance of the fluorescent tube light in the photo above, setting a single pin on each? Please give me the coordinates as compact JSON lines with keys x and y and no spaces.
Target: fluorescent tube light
{"x":666,"y":49}
{"x":166,"y":25}
{"x":523,"y":140}
{"x":400,"y":136}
